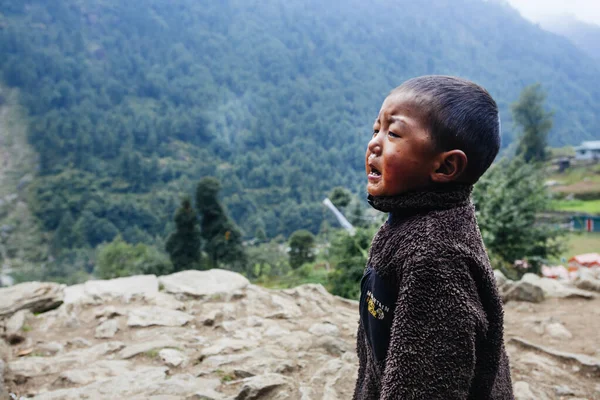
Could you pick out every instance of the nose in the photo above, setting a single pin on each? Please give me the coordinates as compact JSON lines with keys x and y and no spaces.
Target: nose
{"x":374,"y":145}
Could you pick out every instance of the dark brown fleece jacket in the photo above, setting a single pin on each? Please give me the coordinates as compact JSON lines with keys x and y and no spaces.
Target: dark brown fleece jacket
{"x":431,"y":323}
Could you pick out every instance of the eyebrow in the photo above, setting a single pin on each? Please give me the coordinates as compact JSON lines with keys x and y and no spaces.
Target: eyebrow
{"x":395,"y":118}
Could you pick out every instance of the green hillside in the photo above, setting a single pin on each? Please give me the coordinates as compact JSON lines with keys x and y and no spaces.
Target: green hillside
{"x":130,"y":103}
{"x":584,"y":35}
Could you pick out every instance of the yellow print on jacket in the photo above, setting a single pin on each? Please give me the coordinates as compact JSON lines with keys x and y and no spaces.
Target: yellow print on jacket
{"x":372,"y":303}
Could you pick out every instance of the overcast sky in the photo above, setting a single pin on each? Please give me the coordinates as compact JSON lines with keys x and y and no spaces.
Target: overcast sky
{"x":585,"y":10}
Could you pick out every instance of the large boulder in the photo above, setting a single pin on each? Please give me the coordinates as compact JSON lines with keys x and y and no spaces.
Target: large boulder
{"x":501,"y":279}
{"x":587,"y":283}
{"x":524,"y":291}
{"x":200,"y":284}
{"x":119,"y":288}
{"x":554,"y":288}
{"x":4,"y":352}
{"x":34,"y":296}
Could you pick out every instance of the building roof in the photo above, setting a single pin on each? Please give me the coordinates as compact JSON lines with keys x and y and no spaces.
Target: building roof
{"x":588,"y":259}
{"x":592,"y":145}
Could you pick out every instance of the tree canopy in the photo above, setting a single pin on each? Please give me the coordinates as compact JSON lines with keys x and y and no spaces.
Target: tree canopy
{"x":130,"y":103}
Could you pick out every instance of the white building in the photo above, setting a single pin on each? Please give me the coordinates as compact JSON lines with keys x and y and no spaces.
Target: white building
{"x":588,"y":151}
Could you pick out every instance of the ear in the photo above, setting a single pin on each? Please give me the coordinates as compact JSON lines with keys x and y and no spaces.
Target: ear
{"x":450,"y":166}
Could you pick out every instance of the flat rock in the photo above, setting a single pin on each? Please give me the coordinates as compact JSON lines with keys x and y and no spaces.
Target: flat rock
{"x":125,"y":385}
{"x":583,"y":361}
{"x":151,"y":315}
{"x":135,"y":349}
{"x":107,"y":329}
{"x":108,"y":312}
{"x":33,"y":296}
{"x":557,"y":330}
{"x":120,"y":288}
{"x":164,"y":300}
{"x":324,"y":329}
{"x":16,"y":322}
{"x":522,"y":391}
{"x":30,"y":367}
{"x":257,"y":387}
{"x":172,"y":357}
{"x":225,"y":346}
{"x":215,"y":282}
{"x":50,"y":348}
{"x":99,"y":370}
{"x":333,"y":345}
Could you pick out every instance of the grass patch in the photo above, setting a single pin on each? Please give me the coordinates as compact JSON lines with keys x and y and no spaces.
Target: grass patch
{"x":294,"y":278}
{"x":152,"y":353}
{"x":579,"y":243}
{"x":225,"y":376}
{"x":582,"y":206}
{"x":26,"y":328}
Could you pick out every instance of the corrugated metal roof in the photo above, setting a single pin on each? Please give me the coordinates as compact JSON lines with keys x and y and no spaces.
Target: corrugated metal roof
{"x":591,"y":145}
{"x":587,"y":259}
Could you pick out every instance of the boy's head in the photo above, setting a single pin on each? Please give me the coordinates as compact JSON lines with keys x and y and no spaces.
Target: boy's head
{"x":432,"y":130}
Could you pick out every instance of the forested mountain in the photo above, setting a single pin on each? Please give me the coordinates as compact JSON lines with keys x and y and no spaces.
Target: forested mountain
{"x":131,"y":102}
{"x":584,"y":35}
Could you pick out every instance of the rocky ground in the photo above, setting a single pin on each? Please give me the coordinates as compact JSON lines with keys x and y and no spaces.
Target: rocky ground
{"x":212,"y":335}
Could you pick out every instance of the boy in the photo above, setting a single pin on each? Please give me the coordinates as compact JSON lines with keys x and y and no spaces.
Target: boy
{"x":431,"y":319}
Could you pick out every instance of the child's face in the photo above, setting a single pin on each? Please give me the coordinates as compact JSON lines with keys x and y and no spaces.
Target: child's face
{"x":400,"y":156}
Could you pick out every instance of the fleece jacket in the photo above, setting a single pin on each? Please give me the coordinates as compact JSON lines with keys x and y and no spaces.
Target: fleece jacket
{"x":431,"y":318}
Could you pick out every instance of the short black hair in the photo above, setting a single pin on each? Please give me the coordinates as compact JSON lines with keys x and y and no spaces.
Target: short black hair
{"x":461,"y":115}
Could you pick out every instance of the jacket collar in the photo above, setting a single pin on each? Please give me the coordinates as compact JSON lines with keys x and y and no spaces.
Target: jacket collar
{"x":440,"y":198}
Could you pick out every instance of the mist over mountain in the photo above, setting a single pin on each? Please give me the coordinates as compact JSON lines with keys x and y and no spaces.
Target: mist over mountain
{"x":584,"y":35}
{"x":130,"y":103}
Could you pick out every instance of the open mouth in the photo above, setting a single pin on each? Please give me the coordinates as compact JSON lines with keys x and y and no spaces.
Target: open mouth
{"x":374,"y":171}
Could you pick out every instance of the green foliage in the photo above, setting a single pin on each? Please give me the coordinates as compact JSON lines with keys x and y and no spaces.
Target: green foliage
{"x":222,"y":238}
{"x":126,"y":113}
{"x":302,"y":244}
{"x":509,"y":199}
{"x":349,"y":254}
{"x":267,"y":260}
{"x":184,"y":244}
{"x":340,"y":197}
{"x":535,"y":122}
{"x":580,"y":206}
{"x":119,"y":258}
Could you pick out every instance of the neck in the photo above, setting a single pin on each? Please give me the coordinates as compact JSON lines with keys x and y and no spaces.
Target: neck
{"x":430,"y":199}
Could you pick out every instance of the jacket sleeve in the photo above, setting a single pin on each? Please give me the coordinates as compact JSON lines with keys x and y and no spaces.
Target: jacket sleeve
{"x":432,"y":344}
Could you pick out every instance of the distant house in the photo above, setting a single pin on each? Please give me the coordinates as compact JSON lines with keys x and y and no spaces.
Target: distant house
{"x":585,"y":260}
{"x":588,"y":151}
{"x":589,"y":223}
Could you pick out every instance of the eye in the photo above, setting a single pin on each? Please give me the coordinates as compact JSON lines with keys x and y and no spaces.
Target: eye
{"x":392,"y":134}
{"x":375,"y":132}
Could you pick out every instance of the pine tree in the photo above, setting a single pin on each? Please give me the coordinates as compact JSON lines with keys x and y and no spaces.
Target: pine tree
{"x":528,"y":112}
{"x":223,"y":239}
{"x":63,"y":236}
{"x":183,"y":245}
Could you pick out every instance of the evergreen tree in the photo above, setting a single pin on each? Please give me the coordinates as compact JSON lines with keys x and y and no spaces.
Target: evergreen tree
{"x":340,"y":197}
{"x":302,"y":244}
{"x":183,"y":245}
{"x":223,"y":239}
{"x":528,"y":113}
{"x":63,"y":236}
{"x":510,"y":198}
